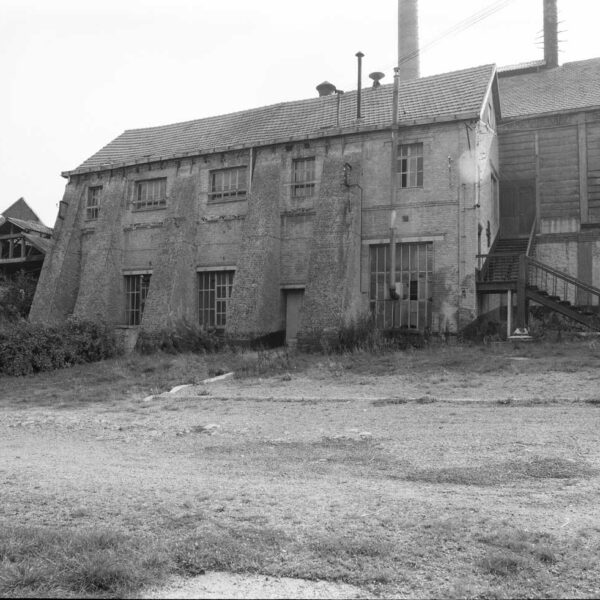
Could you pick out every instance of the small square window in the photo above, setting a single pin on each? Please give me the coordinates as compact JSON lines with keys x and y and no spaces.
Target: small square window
{"x":228,"y":184}
{"x":303,"y":177}
{"x":92,"y":207}
{"x":410,"y":165}
{"x":150,"y":194}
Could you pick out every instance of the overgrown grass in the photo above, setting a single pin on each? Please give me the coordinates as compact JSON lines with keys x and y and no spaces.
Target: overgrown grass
{"x":65,"y":563}
{"x":110,"y":381}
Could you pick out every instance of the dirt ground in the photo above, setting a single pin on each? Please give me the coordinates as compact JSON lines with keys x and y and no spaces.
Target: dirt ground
{"x":426,"y":464}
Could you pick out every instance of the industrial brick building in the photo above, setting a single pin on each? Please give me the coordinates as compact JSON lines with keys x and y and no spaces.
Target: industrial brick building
{"x":403,"y":201}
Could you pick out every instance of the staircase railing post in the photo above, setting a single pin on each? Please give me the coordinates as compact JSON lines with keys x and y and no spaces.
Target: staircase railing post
{"x":521,"y":299}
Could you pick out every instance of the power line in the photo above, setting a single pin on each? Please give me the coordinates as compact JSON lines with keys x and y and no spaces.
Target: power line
{"x":458,"y":28}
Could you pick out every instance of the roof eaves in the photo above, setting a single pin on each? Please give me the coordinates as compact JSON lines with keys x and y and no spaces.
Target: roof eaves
{"x":550,"y":113}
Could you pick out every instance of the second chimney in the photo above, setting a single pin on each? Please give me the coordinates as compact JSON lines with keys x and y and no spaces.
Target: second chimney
{"x":408,"y":39}
{"x":550,"y":33}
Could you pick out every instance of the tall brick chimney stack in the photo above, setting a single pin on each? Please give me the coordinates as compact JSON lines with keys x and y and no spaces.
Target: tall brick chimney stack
{"x":550,"y":33}
{"x":408,"y":39}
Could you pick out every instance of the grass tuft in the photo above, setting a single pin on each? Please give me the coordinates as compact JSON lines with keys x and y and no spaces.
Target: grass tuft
{"x":503,"y":563}
{"x":43,"y":562}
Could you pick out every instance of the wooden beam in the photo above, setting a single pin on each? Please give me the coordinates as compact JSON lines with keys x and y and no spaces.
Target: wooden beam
{"x":26,"y":259}
{"x":521,"y":293}
{"x":583,"y":174}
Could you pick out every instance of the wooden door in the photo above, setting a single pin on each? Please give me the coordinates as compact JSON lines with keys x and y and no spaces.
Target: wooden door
{"x":293,"y":305}
{"x":517,"y":208}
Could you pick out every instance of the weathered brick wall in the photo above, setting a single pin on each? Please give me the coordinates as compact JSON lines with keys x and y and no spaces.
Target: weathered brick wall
{"x":332,"y":296}
{"x":255,"y":305}
{"x":99,"y":291}
{"x":274,"y":239}
{"x":171,"y":296}
{"x":441,"y":212}
{"x":59,"y":280}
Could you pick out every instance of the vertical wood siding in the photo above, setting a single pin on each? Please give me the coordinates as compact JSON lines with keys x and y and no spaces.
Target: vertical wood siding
{"x":559,"y":172}
{"x":593,"y":166}
{"x":517,"y":156}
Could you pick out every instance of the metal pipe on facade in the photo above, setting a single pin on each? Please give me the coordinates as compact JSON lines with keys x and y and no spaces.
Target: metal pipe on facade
{"x":393,"y":181}
{"x":360,"y":56}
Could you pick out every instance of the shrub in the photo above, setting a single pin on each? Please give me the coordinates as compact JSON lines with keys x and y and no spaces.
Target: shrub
{"x":26,"y":348}
{"x":16,"y":295}
{"x":361,"y":334}
{"x":181,"y":337}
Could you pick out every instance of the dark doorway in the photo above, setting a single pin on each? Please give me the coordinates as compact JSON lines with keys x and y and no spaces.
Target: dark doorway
{"x":517,"y":208}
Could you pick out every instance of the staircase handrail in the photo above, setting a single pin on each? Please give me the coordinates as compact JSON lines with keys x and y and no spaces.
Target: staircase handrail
{"x":503,"y":254}
{"x":573,"y":280}
{"x":531,"y":237}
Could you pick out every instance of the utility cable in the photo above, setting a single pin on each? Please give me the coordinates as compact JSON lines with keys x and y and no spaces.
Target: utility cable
{"x":459,"y":27}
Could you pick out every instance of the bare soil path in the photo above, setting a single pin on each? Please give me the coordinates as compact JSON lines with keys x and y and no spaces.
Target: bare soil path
{"x":430,"y":475}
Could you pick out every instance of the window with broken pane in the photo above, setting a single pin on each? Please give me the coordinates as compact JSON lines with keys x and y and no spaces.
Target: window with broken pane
{"x":412,"y":284}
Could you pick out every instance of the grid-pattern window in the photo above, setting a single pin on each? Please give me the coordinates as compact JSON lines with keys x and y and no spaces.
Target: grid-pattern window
{"x":303,"y":177}
{"x":410,"y":165}
{"x":214,"y":292}
{"x":228,"y":184}
{"x":151,"y":193}
{"x":414,"y":270}
{"x":136,"y":292}
{"x":92,"y":207}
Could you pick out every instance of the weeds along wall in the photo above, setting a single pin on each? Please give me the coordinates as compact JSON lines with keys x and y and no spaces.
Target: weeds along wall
{"x":273,"y":237}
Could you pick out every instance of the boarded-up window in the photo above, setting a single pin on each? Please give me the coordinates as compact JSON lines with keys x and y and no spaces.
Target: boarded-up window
{"x":410,"y":165}
{"x":92,"y":208}
{"x":303,"y":177}
{"x":214,"y":292}
{"x":412,"y":284}
{"x":136,"y":292}
{"x":150,"y":194}
{"x":227,"y":184}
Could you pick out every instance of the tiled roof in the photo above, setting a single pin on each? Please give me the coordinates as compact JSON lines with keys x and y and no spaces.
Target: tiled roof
{"x":572,"y":86}
{"x":531,"y":65}
{"x":440,"y":97}
{"x":30,"y":225}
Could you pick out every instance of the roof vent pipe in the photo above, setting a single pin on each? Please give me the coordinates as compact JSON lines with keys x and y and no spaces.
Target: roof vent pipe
{"x":550,"y":33}
{"x":326,"y":89}
{"x":376,"y":77}
{"x":360,"y":56}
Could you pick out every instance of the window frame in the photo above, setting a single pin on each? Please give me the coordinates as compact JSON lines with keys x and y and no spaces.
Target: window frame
{"x":214,"y":287}
{"x":304,"y":180}
{"x":92,"y":204}
{"x":236,"y":191}
{"x":409,"y":166}
{"x":137,"y":286}
{"x":414,"y":277}
{"x":140,"y":205}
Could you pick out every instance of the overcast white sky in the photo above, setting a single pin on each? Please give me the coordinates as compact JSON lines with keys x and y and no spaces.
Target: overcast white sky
{"x":74,"y":74}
